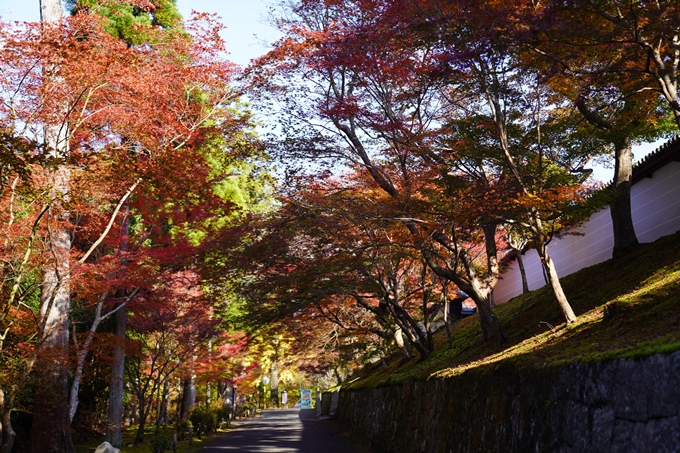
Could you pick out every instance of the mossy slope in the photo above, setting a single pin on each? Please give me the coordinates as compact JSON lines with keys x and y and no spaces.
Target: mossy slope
{"x":626,"y":307}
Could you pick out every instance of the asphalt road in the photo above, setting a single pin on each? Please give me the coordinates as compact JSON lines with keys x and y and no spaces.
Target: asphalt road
{"x":286,"y":431}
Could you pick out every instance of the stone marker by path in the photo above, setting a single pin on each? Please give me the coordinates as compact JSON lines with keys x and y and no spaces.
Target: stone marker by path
{"x":106,"y":447}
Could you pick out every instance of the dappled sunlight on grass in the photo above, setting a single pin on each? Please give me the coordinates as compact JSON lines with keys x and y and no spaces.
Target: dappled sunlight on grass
{"x":533,"y":344}
{"x":129,"y":435}
{"x":658,"y":286}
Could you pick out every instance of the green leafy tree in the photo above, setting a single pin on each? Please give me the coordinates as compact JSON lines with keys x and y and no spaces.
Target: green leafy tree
{"x":595,"y":61}
{"x":132,"y":21}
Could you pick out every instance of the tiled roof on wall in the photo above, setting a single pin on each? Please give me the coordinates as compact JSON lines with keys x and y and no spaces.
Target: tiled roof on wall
{"x":663,"y":155}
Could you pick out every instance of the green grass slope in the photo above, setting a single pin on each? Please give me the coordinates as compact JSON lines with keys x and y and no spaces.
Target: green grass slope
{"x":626,"y":307}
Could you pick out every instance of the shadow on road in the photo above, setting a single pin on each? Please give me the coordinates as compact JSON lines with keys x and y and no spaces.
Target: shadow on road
{"x":287,"y":431}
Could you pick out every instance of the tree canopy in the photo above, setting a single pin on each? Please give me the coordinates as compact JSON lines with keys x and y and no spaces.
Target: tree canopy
{"x":415,"y":148}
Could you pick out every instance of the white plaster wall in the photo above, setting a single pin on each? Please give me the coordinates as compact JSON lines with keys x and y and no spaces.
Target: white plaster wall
{"x":655,"y":204}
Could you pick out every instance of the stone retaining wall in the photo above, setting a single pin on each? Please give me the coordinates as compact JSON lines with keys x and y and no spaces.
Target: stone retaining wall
{"x":624,"y":405}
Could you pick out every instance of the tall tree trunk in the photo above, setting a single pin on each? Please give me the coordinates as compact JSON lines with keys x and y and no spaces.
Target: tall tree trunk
{"x":408,"y":326}
{"x":166,"y":401}
{"x":446,"y":318}
{"x":541,"y":244}
{"x":187,"y":391}
{"x":226,"y":392}
{"x":518,"y":242}
{"x":426,"y":319}
{"x":622,"y":220}
{"x":492,"y":331}
{"x":162,"y":405}
{"x":51,"y":10}
{"x":143,"y":412}
{"x":114,"y":425}
{"x":51,"y":428}
{"x":7,"y":433}
{"x":554,"y":281}
{"x":274,"y":384}
{"x":208,"y":387}
{"x":522,"y":272}
{"x":479,"y":290}
{"x":133,"y":412}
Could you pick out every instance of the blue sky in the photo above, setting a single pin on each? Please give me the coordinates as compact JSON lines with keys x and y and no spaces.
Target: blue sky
{"x":245,"y":20}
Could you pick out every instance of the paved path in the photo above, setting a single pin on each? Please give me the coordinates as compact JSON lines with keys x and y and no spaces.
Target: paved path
{"x":286,"y":431}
